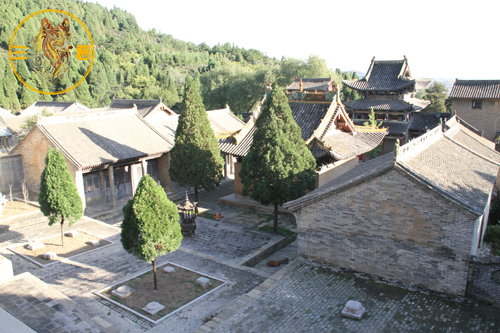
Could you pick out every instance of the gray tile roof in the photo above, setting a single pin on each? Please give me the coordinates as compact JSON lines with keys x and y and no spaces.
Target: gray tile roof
{"x":395,"y":128}
{"x":321,"y":84}
{"x":145,"y":107}
{"x":308,"y":116}
{"x":14,"y":123}
{"x":384,"y":75}
{"x":456,"y":171}
{"x":379,"y":105}
{"x":53,"y":107}
{"x":342,"y":146}
{"x":223,"y":123}
{"x":454,"y":164}
{"x":90,"y":140}
{"x":476,"y":89}
{"x":423,"y":121}
{"x":228,"y":145}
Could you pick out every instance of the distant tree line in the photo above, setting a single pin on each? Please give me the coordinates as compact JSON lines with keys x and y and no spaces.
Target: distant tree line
{"x":132,"y":63}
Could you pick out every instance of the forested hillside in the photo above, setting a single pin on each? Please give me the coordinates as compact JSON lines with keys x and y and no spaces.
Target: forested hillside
{"x":132,"y":63}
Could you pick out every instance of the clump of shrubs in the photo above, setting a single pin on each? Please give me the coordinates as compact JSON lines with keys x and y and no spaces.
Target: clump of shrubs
{"x":493,"y":238}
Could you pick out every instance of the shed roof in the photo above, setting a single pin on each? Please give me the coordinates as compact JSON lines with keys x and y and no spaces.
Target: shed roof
{"x":145,"y":107}
{"x":462,"y":171}
{"x":95,"y":139}
{"x":4,"y":131}
{"x":384,"y":75}
{"x":480,"y":89}
{"x":13,"y":123}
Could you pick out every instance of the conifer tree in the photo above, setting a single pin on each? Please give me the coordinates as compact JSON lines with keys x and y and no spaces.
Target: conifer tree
{"x":372,"y":122}
{"x":150,"y":225}
{"x":279,"y":167}
{"x":196,"y":160}
{"x":59,"y":198}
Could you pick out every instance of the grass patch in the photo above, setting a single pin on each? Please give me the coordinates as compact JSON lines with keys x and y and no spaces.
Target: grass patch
{"x":207,"y":216}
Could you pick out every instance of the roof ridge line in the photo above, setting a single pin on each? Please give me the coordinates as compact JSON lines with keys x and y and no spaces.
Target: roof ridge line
{"x":87,"y":116}
{"x":470,"y":150}
{"x":58,"y":145}
{"x":294,"y":204}
{"x":408,"y":170}
{"x":417,"y":145}
{"x":154,"y":129}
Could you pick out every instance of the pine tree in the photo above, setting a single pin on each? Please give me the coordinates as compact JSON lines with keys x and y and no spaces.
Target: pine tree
{"x":196,"y":160}
{"x":150,"y":225}
{"x":10,"y":86}
{"x":436,"y":94}
{"x":372,"y":122}
{"x":279,"y":167}
{"x":59,"y":198}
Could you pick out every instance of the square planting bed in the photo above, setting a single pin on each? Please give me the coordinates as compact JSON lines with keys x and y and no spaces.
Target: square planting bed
{"x":176,"y":290}
{"x":84,"y":242}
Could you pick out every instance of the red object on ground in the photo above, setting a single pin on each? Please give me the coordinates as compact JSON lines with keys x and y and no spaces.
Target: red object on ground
{"x":273,"y":263}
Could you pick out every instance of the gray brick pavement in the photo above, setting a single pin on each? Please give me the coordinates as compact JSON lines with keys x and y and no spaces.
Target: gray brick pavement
{"x":310,"y":299}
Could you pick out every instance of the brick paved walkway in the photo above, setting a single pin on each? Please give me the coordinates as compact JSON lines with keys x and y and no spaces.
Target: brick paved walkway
{"x":310,"y":299}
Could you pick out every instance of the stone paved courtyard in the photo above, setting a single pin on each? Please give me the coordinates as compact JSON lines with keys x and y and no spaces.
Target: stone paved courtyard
{"x":311,"y":298}
{"x":303,"y":297}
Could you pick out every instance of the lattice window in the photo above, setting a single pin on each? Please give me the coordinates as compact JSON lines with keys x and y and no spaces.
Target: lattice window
{"x":152,"y":169}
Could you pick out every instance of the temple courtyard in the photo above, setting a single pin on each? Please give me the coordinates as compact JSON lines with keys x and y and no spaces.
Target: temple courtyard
{"x":300,"y":296}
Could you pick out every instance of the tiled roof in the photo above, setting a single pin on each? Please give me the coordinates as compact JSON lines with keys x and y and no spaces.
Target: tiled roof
{"x":379,"y":105}
{"x":14,"y":123}
{"x":423,"y":121}
{"x":395,"y":128}
{"x":145,"y":107}
{"x":454,"y":164}
{"x":386,"y":75}
{"x":321,"y":84}
{"x":456,"y":171}
{"x":308,"y":116}
{"x":346,"y":180}
{"x":224,"y":122}
{"x":228,"y":145}
{"x":418,"y":103}
{"x":90,"y":140}
{"x":342,"y":146}
{"x":53,"y":107}
{"x":476,"y":89}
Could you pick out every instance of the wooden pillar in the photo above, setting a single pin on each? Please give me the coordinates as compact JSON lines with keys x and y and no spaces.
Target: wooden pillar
{"x":144,"y":165}
{"x":224,"y":172}
{"x":231,"y":163}
{"x":112,"y":185}
{"x":103,"y":186}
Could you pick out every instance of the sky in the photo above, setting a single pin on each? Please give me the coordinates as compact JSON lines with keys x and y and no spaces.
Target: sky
{"x":440,"y":38}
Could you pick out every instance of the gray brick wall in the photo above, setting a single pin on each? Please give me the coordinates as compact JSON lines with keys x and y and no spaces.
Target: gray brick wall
{"x":391,"y":227}
{"x":11,"y":173}
{"x":481,"y":283}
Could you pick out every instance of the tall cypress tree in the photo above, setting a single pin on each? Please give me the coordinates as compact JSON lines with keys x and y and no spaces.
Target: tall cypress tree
{"x":279,"y":167}
{"x":150,"y":225}
{"x":196,"y":160}
{"x":59,"y":198}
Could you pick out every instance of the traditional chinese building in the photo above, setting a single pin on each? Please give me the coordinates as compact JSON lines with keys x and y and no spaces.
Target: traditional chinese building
{"x":415,"y":216}
{"x":388,"y":88}
{"x":326,"y":128}
{"x":149,"y":109}
{"x":53,"y":107}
